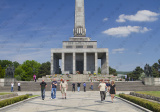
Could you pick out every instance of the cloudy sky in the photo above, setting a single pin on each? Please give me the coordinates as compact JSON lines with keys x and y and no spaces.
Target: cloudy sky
{"x":129,"y":28}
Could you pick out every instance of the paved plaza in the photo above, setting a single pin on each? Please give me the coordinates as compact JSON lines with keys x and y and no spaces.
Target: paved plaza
{"x":75,"y":102}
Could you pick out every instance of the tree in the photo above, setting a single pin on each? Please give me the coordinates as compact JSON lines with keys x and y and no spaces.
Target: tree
{"x":99,"y":70}
{"x":112,"y":71}
{"x":16,"y":64}
{"x":2,"y":72}
{"x":155,"y":71}
{"x":19,"y":73}
{"x":136,"y":73}
{"x":5,"y":63}
{"x":44,"y":69}
{"x":30,"y":68}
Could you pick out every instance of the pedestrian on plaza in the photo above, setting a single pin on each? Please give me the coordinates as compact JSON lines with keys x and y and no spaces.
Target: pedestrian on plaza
{"x":12,"y":85}
{"x":108,"y":86}
{"x":19,"y":86}
{"x":34,"y":77}
{"x":91,"y":85}
{"x":84,"y":85}
{"x":129,"y":78}
{"x":112,"y":90}
{"x":53,"y":89}
{"x":43,"y":85}
{"x":73,"y":87}
{"x":102,"y":87}
{"x":63,"y":87}
{"x":78,"y":86}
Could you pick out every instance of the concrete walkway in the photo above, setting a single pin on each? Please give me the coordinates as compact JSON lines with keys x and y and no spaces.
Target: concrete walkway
{"x":75,"y":102}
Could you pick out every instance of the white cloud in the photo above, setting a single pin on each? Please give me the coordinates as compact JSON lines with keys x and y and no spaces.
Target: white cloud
{"x":124,"y":31}
{"x":105,"y":19}
{"x":140,"y":16}
{"x":119,"y":50}
{"x":139,"y":53}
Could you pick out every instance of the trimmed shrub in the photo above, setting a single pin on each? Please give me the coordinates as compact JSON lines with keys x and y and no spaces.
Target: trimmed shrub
{"x":142,"y":102}
{"x":12,"y":100}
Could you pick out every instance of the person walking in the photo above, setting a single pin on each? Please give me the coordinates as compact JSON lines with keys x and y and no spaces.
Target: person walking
{"x":53,"y":89}
{"x":43,"y":85}
{"x":73,"y":87}
{"x":112,"y":90}
{"x":108,"y":86}
{"x":63,"y":87}
{"x":12,"y":85}
{"x":78,"y":86}
{"x":102,"y":87}
{"x":84,"y":85}
{"x":19,"y":86}
{"x":91,"y":85}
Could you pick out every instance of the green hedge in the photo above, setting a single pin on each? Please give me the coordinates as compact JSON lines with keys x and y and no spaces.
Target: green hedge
{"x":142,"y":102}
{"x":12,"y":100}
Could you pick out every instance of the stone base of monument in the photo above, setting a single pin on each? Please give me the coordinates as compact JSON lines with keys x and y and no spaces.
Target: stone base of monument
{"x":2,"y":82}
{"x":149,"y":81}
{"x":8,"y":81}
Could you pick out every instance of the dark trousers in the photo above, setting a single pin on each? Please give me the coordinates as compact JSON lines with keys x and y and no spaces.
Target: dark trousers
{"x":84,"y":88}
{"x":103,"y":95}
{"x":73,"y":89}
{"x":19,"y":88}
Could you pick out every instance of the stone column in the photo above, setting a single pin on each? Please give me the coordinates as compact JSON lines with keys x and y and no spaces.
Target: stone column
{"x":52,"y":63}
{"x":96,"y":63}
{"x":74,"y":63}
{"x":63,"y":72}
{"x":107,"y":62}
{"x":85,"y":62}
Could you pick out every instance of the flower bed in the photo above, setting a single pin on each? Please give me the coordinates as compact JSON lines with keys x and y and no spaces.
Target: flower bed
{"x":142,"y":102}
{"x":13,"y":100}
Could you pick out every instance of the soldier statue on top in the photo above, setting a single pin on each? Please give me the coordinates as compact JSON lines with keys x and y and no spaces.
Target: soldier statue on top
{"x":148,"y":70}
{"x":159,"y":65}
{"x":9,"y":72}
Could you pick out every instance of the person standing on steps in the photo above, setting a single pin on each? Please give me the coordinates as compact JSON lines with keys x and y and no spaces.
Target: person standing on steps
{"x":53,"y":89}
{"x":43,"y":85}
{"x":34,"y":77}
{"x":84,"y":85}
{"x":73,"y":87}
{"x":102,"y":86}
{"x":19,"y":86}
{"x":63,"y":87}
{"x":112,"y":90}
{"x":91,"y":85}
{"x":12,"y":85}
{"x":78,"y":86}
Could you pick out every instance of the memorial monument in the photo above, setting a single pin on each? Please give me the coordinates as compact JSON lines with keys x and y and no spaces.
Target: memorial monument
{"x":80,"y":53}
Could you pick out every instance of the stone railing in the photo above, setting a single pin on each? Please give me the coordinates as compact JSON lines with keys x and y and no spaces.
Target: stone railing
{"x":145,"y":96}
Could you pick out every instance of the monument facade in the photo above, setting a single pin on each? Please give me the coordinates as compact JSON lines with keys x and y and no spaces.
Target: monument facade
{"x":80,"y":53}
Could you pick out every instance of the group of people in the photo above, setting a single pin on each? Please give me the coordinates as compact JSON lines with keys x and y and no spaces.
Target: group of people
{"x":12,"y":86}
{"x":104,"y":88}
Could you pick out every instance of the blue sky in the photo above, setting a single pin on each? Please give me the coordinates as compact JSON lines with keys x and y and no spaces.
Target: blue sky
{"x":129,"y":28}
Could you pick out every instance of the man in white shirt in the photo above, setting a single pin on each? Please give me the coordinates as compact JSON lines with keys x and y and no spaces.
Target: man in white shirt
{"x":102,"y":86}
{"x":19,"y":86}
{"x":63,"y":87}
{"x":12,"y":84}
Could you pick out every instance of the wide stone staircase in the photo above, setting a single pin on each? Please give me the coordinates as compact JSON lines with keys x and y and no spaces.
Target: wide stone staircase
{"x":120,"y":86}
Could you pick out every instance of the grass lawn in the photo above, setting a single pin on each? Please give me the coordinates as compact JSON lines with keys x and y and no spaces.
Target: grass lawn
{"x":151,"y":93}
{"x":33,"y":96}
{"x":5,"y":93}
{"x":117,"y":95}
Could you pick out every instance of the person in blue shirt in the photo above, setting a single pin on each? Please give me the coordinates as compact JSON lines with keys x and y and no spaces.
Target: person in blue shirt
{"x":84,"y":85}
{"x":53,"y":89}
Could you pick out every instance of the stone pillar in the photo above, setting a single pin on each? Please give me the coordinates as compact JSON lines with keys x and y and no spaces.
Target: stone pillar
{"x":96,"y":63}
{"x":107,"y":61}
{"x":74,"y":63}
{"x":85,"y":64}
{"x":63,"y":72}
{"x":52,"y":63}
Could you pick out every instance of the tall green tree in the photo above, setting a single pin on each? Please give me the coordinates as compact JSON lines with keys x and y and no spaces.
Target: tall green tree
{"x":2,"y":72}
{"x":30,"y":68}
{"x":5,"y":63}
{"x":99,"y":70}
{"x":44,"y":69}
{"x":136,"y":73}
{"x":112,"y":71}
{"x":155,"y":71}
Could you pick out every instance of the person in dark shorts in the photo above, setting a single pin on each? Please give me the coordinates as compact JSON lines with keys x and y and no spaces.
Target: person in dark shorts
{"x":112,"y":90}
{"x":73,"y":87}
{"x":78,"y":86}
{"x":43,"y":85}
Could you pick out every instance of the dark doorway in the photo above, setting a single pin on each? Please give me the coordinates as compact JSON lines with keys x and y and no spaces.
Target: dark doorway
{"x":79,"y":66}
